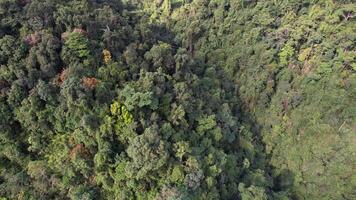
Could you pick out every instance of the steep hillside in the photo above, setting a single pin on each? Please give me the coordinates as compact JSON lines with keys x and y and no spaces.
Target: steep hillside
{"x":294,"y":65}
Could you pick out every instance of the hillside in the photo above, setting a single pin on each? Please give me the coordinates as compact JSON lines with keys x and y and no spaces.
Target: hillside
{"x":177,"y":99}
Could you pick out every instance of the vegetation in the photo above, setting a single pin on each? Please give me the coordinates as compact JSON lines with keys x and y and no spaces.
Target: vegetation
{"x":177,"y":99}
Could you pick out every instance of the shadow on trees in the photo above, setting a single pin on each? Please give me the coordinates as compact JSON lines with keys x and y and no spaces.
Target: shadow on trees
{"x":283,"y":180}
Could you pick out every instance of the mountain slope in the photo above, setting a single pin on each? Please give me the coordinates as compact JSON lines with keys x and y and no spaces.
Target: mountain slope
{"x":177,"y":99}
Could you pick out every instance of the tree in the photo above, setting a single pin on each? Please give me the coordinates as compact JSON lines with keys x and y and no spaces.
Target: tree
{"x":252,"y":192}
{"x":6,"y":48}
{"x":148,"y":153}
{"x":160,"y":55}
{"x":76,"y":45}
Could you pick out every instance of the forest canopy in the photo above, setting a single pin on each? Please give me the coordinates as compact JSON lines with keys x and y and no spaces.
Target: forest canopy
{"x":177,"y":99}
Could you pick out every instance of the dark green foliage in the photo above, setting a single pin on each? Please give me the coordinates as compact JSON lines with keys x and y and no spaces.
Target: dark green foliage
{"x":177,"y":99}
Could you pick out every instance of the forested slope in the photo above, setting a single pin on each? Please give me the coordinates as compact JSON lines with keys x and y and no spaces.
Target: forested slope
{"x":177,"y":99}
{"x":294,"y":65}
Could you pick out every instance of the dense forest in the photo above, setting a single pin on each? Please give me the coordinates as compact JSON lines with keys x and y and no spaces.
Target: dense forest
{"x":177,"y":99}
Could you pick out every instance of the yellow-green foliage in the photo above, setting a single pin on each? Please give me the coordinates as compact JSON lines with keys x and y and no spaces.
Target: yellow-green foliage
{"x":182,"y":148}
{"x":177,"y":175}
{"x":304,"y":54}
{"x":286,"y":53}
{"x":119,"y":122}
{"x":120,"y":111}
{"x":77,"y":45}
{"x":58,"y":151}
